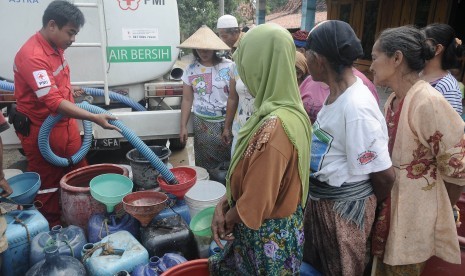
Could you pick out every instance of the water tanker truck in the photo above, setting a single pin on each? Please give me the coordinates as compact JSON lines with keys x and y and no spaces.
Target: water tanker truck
{"x":126,"y":48}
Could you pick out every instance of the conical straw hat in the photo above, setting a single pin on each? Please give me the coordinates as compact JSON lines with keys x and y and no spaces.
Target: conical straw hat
{"x":204,"y":38}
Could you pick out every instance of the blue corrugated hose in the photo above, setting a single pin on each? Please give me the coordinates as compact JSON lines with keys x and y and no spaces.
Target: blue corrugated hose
{"x":7,"y":86}
{"x":10,"y":87}
{"x":135,"y":141}
{"x":116,"y":97}
{"x":44,"y":141}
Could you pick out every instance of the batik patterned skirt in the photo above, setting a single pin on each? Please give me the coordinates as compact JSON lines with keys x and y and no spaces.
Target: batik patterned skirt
{"x":334,"y":245}
{"x":274,"y":249}
{"x":209,"y":149}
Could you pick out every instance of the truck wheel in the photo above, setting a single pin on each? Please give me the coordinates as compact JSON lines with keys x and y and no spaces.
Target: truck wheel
{"x":175,"y":144}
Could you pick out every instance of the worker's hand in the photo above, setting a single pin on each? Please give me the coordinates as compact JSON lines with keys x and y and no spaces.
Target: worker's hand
{"x":6,"y":188}
{"x":219,"y":222}
{"x":183,"y":135}
{"x":102,"y":120}
{"x":77,"y":91}
{"x":226,"y":136}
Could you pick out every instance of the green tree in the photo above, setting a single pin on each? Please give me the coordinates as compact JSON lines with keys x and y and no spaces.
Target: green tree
{"x":195,"y":13}
{"x":273,"y":5}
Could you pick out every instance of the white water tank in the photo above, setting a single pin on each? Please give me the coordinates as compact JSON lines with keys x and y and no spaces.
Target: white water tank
{"x":141,"y":38}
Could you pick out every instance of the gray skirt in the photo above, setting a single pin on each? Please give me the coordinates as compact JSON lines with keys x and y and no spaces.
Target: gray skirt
{"x":209,"y":149}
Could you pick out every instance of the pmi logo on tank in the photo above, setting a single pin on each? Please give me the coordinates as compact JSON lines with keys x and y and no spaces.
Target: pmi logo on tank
{"x":134,"y":4}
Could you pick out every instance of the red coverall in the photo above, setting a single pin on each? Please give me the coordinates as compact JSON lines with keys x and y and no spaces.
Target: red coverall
{"x":42,"y":81}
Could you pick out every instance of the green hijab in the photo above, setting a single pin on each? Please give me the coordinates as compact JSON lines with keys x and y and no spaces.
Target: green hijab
{"x":265,"y":61}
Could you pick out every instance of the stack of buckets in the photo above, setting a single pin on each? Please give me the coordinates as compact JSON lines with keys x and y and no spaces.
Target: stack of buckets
{"x":204,"y":194}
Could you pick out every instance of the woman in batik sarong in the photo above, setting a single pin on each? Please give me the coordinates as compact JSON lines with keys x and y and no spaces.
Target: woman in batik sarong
{"x":261,"y":216}
{"x":427,"y":147}
{"x":205,"y":92}
{"x":350,"y":164}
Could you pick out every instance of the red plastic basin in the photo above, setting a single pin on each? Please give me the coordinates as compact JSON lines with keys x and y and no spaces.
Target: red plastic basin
{"x":197,"y":267}
{"x":185,"y":175}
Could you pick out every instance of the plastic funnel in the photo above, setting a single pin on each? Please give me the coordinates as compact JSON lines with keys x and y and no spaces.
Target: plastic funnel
{"x":186,"y":177}
{"x":201,"y":223}
{"x":24,"y":186}
{"x":144,"y":205}
{"x":110,"y":189}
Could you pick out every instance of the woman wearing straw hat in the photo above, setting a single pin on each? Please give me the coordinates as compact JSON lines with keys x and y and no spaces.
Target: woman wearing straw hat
{"x":206,"y":89}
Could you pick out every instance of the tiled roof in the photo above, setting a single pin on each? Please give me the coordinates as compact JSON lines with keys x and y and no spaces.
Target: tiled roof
{"x":292,"y":21}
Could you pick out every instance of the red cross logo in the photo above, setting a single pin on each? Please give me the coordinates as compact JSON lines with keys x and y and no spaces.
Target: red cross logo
{"x":41,"y":76}
{"x":129,"y":4}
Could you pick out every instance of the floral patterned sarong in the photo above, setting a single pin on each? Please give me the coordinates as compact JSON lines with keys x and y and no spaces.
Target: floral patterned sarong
{"x":274,"y":249}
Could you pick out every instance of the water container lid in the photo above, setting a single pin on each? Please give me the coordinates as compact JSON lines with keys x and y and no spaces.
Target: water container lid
{"x":205,"y":190}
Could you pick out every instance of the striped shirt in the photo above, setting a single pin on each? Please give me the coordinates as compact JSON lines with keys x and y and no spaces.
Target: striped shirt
{"x":449,"y":87}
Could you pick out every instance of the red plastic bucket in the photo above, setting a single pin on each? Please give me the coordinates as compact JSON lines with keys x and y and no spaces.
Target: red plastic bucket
{"x":197,"y":267}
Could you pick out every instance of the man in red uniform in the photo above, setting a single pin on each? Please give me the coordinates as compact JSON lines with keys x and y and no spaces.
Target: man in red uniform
{"x":43,"y":87}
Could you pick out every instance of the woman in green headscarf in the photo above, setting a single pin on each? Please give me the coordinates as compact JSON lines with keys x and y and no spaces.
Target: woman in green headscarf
{"x":267,"y":182}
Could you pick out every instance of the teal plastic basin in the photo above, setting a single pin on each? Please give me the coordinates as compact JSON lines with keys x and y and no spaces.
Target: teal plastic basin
{"x":201,"y":223}
{"x":110,"y":189}
{"x":25,"y":187}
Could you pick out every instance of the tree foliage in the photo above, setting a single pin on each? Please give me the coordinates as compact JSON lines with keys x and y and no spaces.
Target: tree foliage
{"x":273,"y":5}
{"x":195,"y":13}
{"x":292,"y":6}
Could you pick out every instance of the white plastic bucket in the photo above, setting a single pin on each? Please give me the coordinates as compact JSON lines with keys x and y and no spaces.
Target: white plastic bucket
{"x":9,"y":173}
{"x":203,"y":194}
{"x":129,"y":168}
{"x":202,"y":174}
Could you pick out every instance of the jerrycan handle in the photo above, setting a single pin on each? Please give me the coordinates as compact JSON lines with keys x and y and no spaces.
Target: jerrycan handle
{"x":55,"y":231}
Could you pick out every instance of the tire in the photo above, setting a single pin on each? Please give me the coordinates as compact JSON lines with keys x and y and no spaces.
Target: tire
{"x":175,"y":144}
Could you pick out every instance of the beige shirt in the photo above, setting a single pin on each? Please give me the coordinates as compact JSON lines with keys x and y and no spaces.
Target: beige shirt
{"x":265,"y":183}
{"x":429,"y":149}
